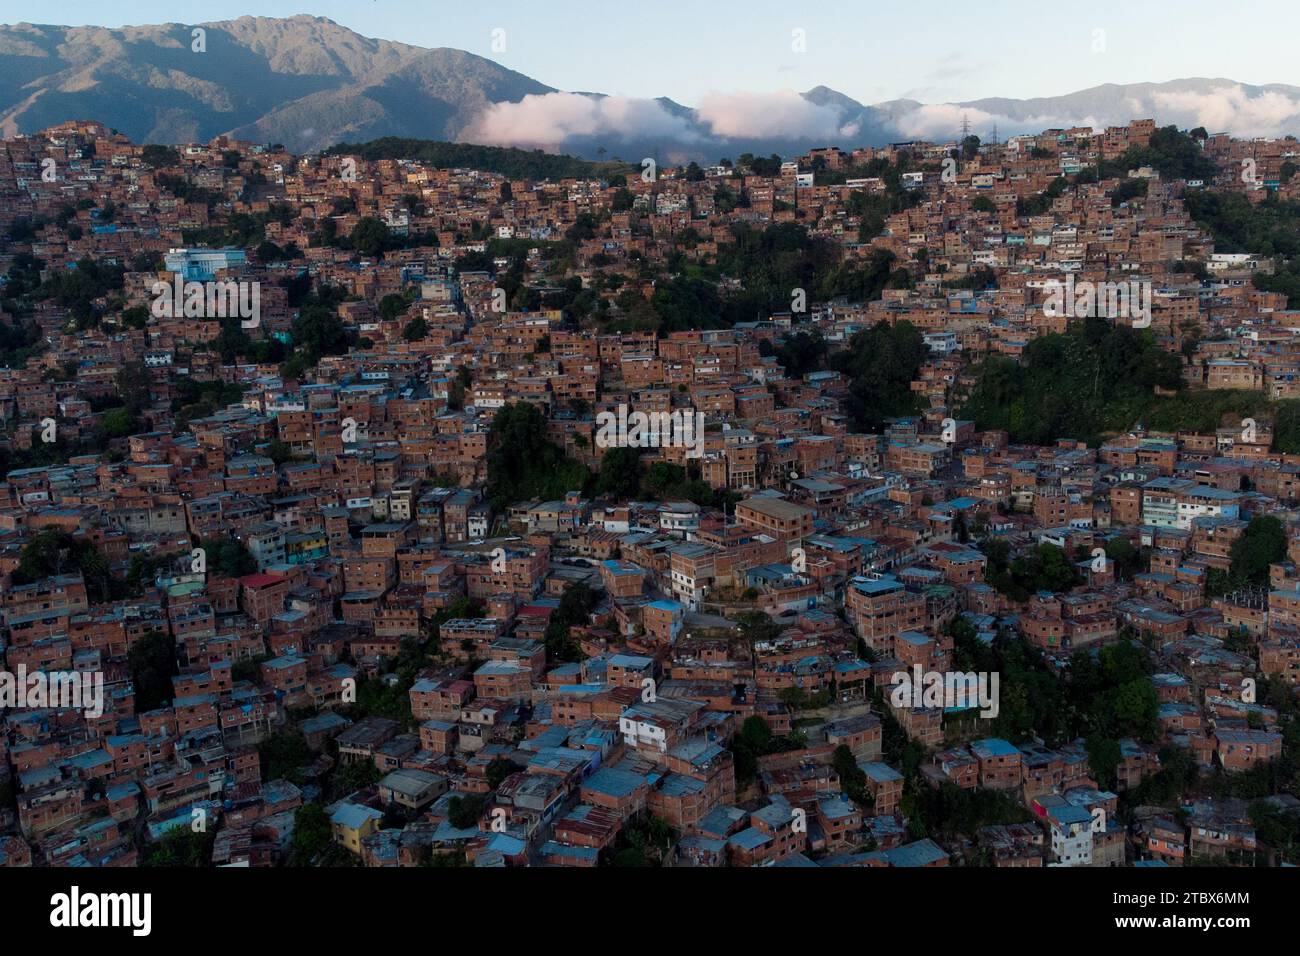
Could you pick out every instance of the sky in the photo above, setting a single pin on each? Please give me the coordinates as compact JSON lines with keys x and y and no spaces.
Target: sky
{"x":937,"y":51}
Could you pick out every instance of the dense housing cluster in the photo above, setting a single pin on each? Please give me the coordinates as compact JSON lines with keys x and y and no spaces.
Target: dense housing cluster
{"x":321,"y":469}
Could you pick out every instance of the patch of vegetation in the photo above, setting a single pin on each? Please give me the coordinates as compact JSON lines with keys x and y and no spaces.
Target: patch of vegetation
{"x":756,"y":739}
{"x":522,"y":463}
{"x":1095,"y":379}
{"x":509,"y":162}
{"x":880,"y":364}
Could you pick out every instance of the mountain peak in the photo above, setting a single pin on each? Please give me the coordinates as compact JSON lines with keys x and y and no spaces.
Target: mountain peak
{"x":309,"y":82}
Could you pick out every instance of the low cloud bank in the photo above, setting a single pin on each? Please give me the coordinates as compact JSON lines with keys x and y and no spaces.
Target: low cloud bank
{"x":551,"y":120}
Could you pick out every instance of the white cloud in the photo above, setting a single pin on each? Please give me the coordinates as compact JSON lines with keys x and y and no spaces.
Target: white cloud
{"x":551,"y":120}
{"x":1230,"y":108}
{"x":547,"y":120}
{"x":1225,"y":108}
{"x":784,"y":114}
{"x":942,"y":121}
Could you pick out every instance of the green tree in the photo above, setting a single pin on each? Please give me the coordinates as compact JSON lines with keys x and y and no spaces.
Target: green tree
{"x":801,"y":353}
{"x":282,"y":754}
{"x":228,"y":557}
{"x":576,"y":605}
{"x":1092,"y":380}
{"x":756,"y":734}
{"x":1103,"y":760}
{"x":880,"y":364}
{"x":522,"y":463}
{"x":279,"y":452}
{"x":311,"y":833}
{"x":319,"y":330}
{"x":182,"y":847}
{"x":1127,"y":559}
{"x":119,"y":423}
{"x":392,"y":305}
{"x":156,"y":155}
{"x":1261,"y":544}
{"x":416,"y":329}
{"x":853,"y":779}
{"x":464,"y":812}
{"x":52,"y":552}
{"x":151,"y":662}
{"x":371,"y":237}
{"x":499,"y":769}
{"x":620,"y":473}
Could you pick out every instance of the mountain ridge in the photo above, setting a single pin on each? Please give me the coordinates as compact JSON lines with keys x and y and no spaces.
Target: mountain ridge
{"x":309,"y":82}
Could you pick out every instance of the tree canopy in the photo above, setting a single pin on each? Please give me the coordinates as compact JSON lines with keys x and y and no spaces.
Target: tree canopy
{"x":522,"y":463}
{"x":881,"y":363}
{"x":1095,"y":378}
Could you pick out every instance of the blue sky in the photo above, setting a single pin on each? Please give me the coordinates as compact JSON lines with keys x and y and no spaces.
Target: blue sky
{"x":872,"y":51}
